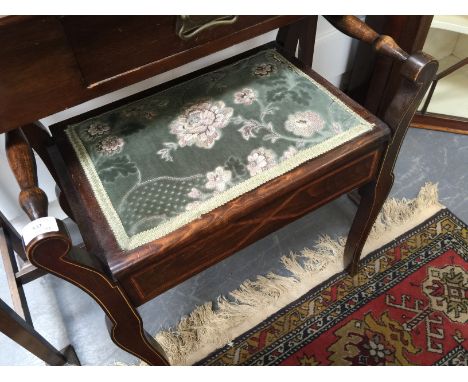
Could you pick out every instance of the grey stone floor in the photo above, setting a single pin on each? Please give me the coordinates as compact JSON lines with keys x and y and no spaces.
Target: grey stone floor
{"x":64,"y":314}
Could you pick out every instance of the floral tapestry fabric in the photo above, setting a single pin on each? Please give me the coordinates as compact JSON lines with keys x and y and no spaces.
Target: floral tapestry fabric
{"x":159,"y":163}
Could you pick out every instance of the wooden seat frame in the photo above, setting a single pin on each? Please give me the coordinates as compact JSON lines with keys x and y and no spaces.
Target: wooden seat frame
{"x":119,"y":286}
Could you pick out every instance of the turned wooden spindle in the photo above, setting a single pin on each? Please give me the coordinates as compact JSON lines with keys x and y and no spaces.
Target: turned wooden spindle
{"x":23,"y":164}
{"x":353,"y":27}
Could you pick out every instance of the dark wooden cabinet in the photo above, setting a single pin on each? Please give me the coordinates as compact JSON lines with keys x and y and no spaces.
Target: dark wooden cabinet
{"x":51,"y":63}
{"x":107,"y":47}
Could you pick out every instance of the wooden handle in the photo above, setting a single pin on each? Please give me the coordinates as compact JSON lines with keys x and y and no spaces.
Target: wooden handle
{"x":382,"y":44}
{"x":23,"y":164}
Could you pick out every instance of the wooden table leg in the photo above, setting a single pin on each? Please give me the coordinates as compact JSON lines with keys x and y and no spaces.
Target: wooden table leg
{"x":18,"y":297}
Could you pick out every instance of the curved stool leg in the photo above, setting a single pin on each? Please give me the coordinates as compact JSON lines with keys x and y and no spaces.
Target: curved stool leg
{"x":417,"y":72}
{"x":52,"y":253}
{"x":373,"y":197}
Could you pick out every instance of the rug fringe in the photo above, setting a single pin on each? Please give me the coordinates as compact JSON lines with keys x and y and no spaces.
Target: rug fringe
{"x":207,"y":329}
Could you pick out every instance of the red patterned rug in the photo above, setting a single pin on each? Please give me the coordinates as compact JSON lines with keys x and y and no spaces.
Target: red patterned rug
{"x":407,"y":306}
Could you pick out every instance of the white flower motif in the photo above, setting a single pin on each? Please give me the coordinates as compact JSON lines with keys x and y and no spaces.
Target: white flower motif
{"x":218,"y":179}
{"x":246,"y":96}
{"x":194,"y":193}
{"x":259,"y":160}
{"x":289,"y":153}
{"x":98,"y":128}
{"x":111,"y":145}
{"x":304,"y":124}
{"x":200,"y":124}
{"x":248,"y":130}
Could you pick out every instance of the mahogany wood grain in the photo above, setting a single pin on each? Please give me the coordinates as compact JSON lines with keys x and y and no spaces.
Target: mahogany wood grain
{"x":40,"y":74}
{"x":53,"y":252}
{"x":20,"y":156}
{"x":441,"y":122}
{"x":129,"y":43}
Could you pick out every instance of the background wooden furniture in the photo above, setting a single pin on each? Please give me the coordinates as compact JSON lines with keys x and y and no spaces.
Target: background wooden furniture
{"x":410,"y":32}
{"x":17,"y":323}
{"x":85,"y":67}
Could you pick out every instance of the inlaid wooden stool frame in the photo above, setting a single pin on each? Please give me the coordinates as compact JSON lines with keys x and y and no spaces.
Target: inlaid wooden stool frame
{"x":121,"y":282}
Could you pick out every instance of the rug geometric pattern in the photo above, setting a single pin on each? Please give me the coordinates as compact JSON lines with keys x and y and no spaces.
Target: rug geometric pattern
{"x":408,"y":305}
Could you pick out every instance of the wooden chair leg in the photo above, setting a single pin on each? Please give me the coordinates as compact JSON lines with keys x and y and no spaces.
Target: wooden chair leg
{"x":14,"y":327}
{"x":417,"y":72}
{"x":372,"y":198}
{"x":51,"y":250}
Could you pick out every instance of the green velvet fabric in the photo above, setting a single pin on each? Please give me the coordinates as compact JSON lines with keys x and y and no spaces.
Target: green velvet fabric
{"x":158,"y":163}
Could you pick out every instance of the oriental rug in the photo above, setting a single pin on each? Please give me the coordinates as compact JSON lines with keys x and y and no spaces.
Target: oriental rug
{"x":408,"y":305}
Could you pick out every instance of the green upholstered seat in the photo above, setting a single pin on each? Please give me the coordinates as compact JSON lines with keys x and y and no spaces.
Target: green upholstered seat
{"x":159,"y":163}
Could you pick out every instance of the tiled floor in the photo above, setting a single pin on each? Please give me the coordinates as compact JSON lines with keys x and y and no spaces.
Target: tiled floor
{"x":64,"y":314}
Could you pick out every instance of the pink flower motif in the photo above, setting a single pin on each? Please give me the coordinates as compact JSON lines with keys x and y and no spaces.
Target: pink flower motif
{"x":200,"y":124}
{"x":218,"y":179}
{"x":248,"y":130}
{"x":246,"y":96}
{"x":111,"y":145}
{"x":98,"y":128}
{"x":304,"y":124}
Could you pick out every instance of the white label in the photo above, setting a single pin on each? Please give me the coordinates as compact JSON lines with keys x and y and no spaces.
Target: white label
{"x":39,"y":227}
